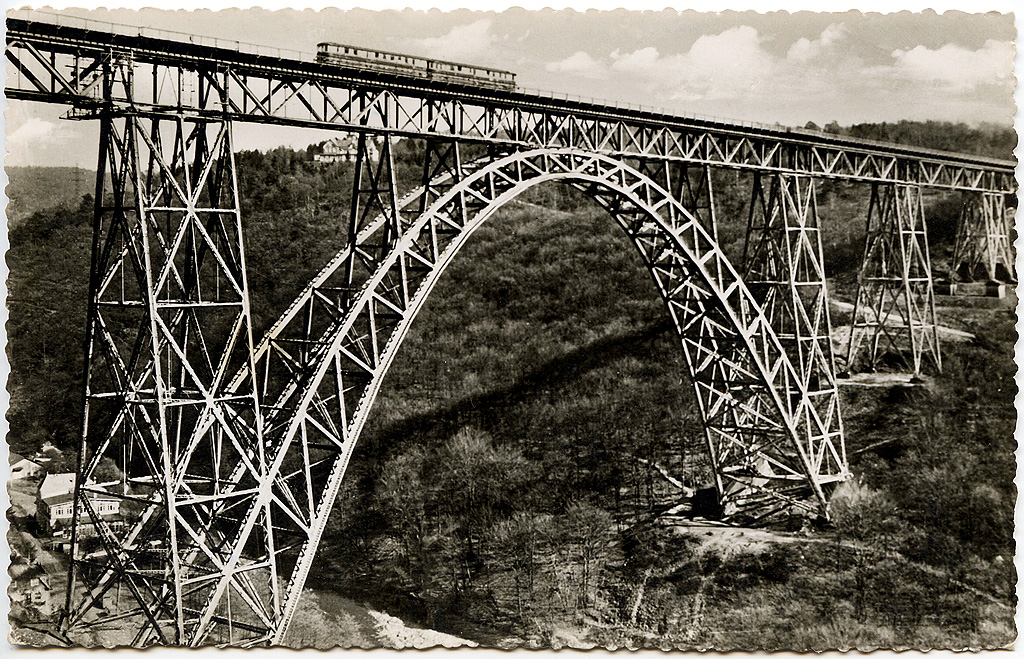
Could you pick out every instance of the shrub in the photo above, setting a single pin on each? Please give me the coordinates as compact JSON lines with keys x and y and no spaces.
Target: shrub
{"x":861,"y":512}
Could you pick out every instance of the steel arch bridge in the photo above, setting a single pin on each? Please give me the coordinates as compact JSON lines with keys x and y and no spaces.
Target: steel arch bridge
{"x":232,"y":449}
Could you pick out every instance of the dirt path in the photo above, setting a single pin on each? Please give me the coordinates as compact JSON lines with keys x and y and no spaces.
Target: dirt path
{"x":949,"y":333}
{"x":883,"y":379}
{"x":727,"y":541}
{"x":393,"y":633}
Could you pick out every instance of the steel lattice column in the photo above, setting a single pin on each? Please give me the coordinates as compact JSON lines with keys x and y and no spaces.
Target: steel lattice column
{"x":895,"y":307}
{"x":984,"y":247}
{"x":168,"y":323}
{"x":784,"y":270}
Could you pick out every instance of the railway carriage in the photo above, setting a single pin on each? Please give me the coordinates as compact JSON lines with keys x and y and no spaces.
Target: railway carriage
{"x":410,"y":66}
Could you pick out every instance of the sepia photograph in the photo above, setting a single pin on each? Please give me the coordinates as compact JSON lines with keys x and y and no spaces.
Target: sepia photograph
{"x":510,"y":328}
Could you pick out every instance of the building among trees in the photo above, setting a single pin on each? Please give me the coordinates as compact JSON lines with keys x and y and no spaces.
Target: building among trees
{"x":345,"y":149}
{"x":55,"y":502}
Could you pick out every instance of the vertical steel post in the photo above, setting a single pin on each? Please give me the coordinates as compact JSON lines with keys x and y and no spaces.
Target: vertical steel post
{"x":895,"y":307}
{"x":984,"y":243}
{"x":96,"y":271}
{"x":688,"y":183}
{"x":373,"y":193}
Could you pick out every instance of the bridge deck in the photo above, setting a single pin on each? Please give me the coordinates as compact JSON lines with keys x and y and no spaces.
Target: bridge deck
{"x":64,"y":64}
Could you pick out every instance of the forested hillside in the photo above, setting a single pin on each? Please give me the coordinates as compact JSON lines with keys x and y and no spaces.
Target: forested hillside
{"x":32,"y":189}
{"x":508,"y":484}
{"x":989,"y":140}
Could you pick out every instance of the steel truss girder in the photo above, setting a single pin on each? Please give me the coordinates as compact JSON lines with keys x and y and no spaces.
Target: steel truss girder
{"x":894,"y":312}
{"x":168,"y":323}
{"x":60,"y":66}
{"x":984,"y":243}
{"x":322,"y":393}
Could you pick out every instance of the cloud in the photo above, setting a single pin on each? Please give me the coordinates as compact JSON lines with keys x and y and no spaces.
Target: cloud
{"x":723,"y":65}
{"x":836,"y":74}
{"x":579,"y":64}
{"x":33,"y":131}
{"x":805,"y":50}
{"x":956,"y":67}
{"x":463,"y":42}
{"x":642,"y":61}
{"x":733,"y":60}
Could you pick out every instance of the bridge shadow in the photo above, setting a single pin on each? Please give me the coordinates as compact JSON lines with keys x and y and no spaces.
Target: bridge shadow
{"x":486,"y":410}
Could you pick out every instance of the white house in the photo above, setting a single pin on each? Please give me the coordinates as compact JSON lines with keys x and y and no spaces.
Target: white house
{"x":345,"y":149}
{"x":55,"y":502}
{"x":22,"y":467}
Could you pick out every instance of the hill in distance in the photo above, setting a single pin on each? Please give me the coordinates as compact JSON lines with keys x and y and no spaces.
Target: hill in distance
{"x":32,"y":189}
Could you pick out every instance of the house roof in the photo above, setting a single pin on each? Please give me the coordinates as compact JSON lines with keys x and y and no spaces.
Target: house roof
{"x":16,"y":459}
{"x":340,"y":145}
{"x":55,"y":485}
{"x":60,"y":488}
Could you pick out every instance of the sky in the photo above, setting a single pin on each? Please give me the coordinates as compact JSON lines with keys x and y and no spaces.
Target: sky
{"x":790,"y":68}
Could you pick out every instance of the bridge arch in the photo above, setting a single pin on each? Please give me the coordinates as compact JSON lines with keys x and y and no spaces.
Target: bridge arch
{"x":321,"y":366}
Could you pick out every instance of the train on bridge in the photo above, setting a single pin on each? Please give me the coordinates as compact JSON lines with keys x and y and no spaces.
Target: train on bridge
{"x":410,"y":66}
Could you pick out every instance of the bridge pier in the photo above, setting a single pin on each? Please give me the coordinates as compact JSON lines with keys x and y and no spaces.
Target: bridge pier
{"x":984,"y":243}
{"x":227,"y":459}
{"x":750,"y":454}
{"x":784,"y":269}
{"x":168,"y":321}
{"x":894,"y":314}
